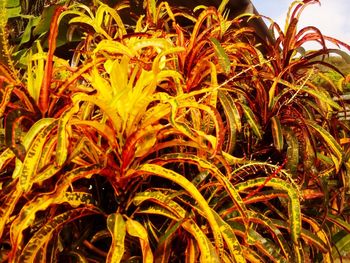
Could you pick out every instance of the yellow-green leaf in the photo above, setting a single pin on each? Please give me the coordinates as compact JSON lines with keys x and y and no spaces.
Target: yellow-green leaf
{"x":32,"y":157}
{"x":294,"y":210}
{"x":28,"y":139}
{"x":251,"y":119}
{"x":331,"y":142}
{"x":117,"y":227}
{"x":277,"y":135}
{"x":63,"y":140}
{"x":230,"y":239}
{"x":224,"y":60}
{"x":134,"y":228}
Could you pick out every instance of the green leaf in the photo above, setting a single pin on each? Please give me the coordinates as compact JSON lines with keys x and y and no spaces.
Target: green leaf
{"x":43,"y":25}
{"x":331,"y":142}
{"x":224,"y":60}
{"x":27,"y":34}
{"x":117,"y":227}
{"x":13,"y":9}
{"x":253,"y":122}
{"x":342,"y":246}
{"x":231,"y":240}
{"x":277,"y":134}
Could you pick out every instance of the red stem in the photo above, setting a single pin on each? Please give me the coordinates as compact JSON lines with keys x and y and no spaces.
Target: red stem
{"x":266,"y":180}
{"x":44,"y":92}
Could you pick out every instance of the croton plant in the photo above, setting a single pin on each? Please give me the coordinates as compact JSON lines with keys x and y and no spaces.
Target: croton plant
{"x":169,"y":135}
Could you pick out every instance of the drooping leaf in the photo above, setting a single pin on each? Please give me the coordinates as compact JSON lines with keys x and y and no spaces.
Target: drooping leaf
{"x":6,"y":157}
{"x":260,"y":243}
{"x":177,"y":213}
{"x":293,"y":155}
{"x":307,"y":235}
{"x":339,"y":222}
{"x":190,"y":188}
{"x":331,"y":142}
{"x":27,"y":214}
{"x":32,"y":157}
{"x":230,"y":239}
{"x":44,"y":233}
{"x":294,"y":211}
{"x":10,"y":201}
{"x":342,"y":246}
{"x":231,"y":190}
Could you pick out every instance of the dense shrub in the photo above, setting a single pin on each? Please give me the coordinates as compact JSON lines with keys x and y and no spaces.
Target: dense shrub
{"x":171,"y":139}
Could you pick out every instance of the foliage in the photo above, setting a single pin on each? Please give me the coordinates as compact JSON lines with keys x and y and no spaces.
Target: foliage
{"x":171,"y":139}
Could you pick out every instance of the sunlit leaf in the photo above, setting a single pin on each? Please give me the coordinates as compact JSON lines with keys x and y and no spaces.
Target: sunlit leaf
{"x":117,"y":227}
{"x":230,"y":240}
{"x":27,"y":214}
{"x":190,"y":188}
{"x":32,"y":157}
{"x":63,"y":140}
{"x":134,"y":228}
{"x":294,"y":211}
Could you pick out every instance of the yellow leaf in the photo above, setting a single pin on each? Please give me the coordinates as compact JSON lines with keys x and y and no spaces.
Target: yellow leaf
{"x":135,"y":229}
{"x":117,"y":227}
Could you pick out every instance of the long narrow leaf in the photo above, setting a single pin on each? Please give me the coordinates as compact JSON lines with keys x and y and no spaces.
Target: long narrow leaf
{"x":117,"y":227}
{"x":294,"y":210}
{"x":192,"y":190}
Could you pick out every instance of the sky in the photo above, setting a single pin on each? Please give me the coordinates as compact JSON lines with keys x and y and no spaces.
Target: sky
{"x":332,"y":17}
